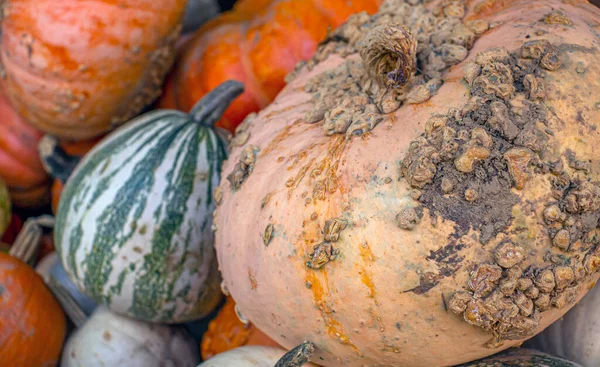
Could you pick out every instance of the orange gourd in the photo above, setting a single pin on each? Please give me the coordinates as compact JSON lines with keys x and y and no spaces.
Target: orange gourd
{"x":226,"y":332}
{"x":427,"y":192}
{"x":20,"y":165}
{"x":32,"y":322}
{"x":257,"y":43}
{"x":77,"y":69}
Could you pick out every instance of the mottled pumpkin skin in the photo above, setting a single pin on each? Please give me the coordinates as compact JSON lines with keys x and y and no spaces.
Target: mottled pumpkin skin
{"x":258,"y":43}
{"x":32,"y":323}
{"x":226,"y":332}
{"x":20,"y":165}
{"x":378,"y":320}
{"x":79,"y":69}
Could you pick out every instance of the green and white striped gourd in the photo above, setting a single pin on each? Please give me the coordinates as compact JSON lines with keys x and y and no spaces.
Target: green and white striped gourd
{"x":133,"y":226}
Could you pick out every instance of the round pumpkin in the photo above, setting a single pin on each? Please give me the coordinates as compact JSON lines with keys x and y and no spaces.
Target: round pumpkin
{"x":32,"y":323}
{"x":261,"y":356}
{"x":78,"y":69}
{"x":258,"y":42}
{"x":134,"y":223}
{"x":108,"y":339}
{"x":226,"y":332}
{"x":20,"y":165}
{"x":424,"y":192}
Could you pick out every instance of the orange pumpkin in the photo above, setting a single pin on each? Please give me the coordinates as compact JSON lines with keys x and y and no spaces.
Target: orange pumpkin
{"x":78,"y":69}
{"x":257,"y":43}
{"x":427,"y":193}
{"x":20,"y":165}
{"x":226,"y":332}
{"x":32,"y":322}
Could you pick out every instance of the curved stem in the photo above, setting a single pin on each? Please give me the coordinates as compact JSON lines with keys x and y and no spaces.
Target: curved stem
{"x":298,"y":356}
{"x":68,"y":304}
{"x":212,"y":106}
{"x":27,"y":242}
{"x":55,"y":160}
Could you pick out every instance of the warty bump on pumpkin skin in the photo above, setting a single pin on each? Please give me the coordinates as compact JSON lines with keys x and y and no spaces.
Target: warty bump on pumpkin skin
{"x":478,"y":140}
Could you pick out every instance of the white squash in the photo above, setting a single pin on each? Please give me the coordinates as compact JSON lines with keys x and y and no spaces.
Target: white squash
{"x":260,"y":356}
{"x":109,"y":339}
{"x":249,"y":356}
{"x":577,"y":335}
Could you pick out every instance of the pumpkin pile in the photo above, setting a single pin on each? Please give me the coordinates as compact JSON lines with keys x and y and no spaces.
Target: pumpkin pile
{"x":299,"y":183}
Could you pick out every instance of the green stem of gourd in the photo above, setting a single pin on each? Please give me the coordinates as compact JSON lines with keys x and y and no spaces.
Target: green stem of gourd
{"x":68,"y":304}
{"x":212,"y":106}
{"x":299,"y":356}
{"x":55,"y":160}
{"x":27,"y":242}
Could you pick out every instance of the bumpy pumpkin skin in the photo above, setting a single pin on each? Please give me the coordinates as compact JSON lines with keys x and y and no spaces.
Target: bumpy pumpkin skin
{"x":257,"y":43}
{"x":366,"y":307}
{"x":32,"y":323}
{"x":20,"y":165}
{"x":79,"y":69}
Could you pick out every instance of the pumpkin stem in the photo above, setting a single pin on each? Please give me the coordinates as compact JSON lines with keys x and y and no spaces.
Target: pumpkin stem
{"x":55,"y":160}
{"x":68,"y":304}
{"x":389,"y":53}
{"x":27,"y":242}
{"x":298,"y":356}
{"x":212,"y":106}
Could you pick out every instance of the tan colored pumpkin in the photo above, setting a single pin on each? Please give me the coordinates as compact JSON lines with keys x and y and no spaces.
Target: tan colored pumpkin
{"x":428,"y":210}
{"x":78,"y":69}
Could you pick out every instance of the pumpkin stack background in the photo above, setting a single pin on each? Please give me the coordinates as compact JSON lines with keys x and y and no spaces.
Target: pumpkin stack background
{"x":299,"y":182}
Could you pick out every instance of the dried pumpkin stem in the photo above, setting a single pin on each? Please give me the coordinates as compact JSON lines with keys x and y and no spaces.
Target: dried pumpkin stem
{"x":212,"y":106}
{"x":27,"y":242}
{"x":68,"y":304}
{"x":389,"y":54}
{"x":299,"y":356}
{"x":55,"y":160}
